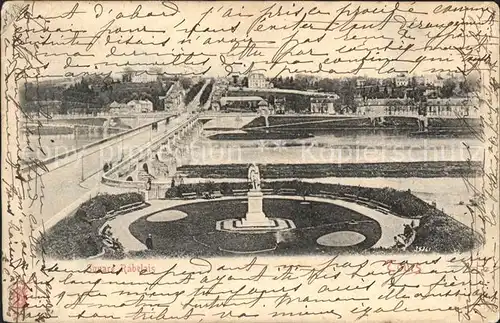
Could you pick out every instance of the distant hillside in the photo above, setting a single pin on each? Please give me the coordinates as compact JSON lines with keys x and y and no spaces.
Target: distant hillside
{"x":95,"y":93}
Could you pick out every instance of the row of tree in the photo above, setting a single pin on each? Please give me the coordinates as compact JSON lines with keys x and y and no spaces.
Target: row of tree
{"x":193,"y":91}
{"x":206,"y":93}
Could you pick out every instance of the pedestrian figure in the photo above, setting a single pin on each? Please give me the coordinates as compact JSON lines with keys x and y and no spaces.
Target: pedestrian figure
{"x":149,"y":242}
{"x":407,"y":231}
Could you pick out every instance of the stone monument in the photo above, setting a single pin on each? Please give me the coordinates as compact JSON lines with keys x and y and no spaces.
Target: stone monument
{"x":255,"y":216}
{"x":255,"y":219}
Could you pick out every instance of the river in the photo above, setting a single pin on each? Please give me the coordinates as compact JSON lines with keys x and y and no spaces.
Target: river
{"x":347,"y":147}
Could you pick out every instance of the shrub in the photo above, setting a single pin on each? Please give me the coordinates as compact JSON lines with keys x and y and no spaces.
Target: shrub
{"x":438,"y":232}
{"x":77,"y":236}
{"x":97,"y":207}
{"x":71,"y":238}
{"x":172,"y":192}
{"x":226,"y":188}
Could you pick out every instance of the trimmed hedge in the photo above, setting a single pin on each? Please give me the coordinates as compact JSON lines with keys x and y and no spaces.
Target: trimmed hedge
{"x":301,"y":123}
{"x":401,"y":202}
{"x":98,"y":206}
{"x":192,"y":92}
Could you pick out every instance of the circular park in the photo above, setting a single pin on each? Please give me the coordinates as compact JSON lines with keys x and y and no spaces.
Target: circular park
{"x":270,"y":218}
{"x":320,"y":227}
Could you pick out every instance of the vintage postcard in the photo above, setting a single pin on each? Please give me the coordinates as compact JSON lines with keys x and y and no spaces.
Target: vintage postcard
{"x":232,"y":161}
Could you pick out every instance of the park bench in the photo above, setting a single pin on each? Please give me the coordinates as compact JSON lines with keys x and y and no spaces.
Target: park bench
{"x":382,"y":205}
{"x":329,"y":194}
{"x":361,"y":202}
{"x":350,"y":197}
{"x":189,"y":196}
{"x":287,"y":191}
{"x":131,"y":205}
{"x":371,"y":205}
{"x":217,"y":194}
{"x":239,"y":192}
{"x":267,"y":191}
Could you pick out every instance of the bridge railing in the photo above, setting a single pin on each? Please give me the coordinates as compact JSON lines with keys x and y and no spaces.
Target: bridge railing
{"x":72,"y":155}
{"x":107,"y":177}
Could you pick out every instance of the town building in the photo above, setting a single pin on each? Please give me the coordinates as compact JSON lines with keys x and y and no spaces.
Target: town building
{"x":322,"y":105}
{"x":454,"y":106}
{"x":419,"y":80}
{"x":257,"y":80}
{"x":280,"y":105}
{"x":400,"y":80}
{"x":116,"y":107}
{"x":43,"y":107}
{"x":250,"y":103}
{"x":140,"y":106}
{"x":172,"y":100}
{"x":434,"y":80}
{"x":143,"y":78}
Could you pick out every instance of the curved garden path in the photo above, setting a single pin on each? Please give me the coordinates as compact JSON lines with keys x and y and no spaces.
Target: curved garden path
{"x":391,"y":225}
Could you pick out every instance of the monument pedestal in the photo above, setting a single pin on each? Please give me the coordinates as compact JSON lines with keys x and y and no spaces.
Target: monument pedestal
{"x":255,"y":217}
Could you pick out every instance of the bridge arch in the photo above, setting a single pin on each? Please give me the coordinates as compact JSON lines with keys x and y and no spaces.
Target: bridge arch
{"x":129,"y":179}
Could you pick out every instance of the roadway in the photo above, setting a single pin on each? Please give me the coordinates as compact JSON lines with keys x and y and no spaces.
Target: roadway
{"x":63,"y":184}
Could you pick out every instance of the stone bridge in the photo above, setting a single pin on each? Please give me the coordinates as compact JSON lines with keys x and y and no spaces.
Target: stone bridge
{"x":153,"y":166}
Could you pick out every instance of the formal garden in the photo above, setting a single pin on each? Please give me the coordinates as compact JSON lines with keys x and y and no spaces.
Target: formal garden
{"x":323,"y":226}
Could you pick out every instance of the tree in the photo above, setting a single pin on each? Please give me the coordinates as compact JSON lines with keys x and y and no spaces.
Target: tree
{"x":470,"y":84}
{"x":186,"y":83}
{"x":448,"y":87}
{"x":244,"y":82}
{"x":347,"y":93}
{"x":127,"y":74}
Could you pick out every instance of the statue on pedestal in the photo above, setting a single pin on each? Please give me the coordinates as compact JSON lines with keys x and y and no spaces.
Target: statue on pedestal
{"x":255,"y":219}
{"x":254,"y":177}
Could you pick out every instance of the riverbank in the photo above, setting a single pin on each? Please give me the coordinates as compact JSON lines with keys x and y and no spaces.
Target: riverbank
{"x":260,"y":135}
{"x":389,"y":170}
{"x":317,"y":123}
